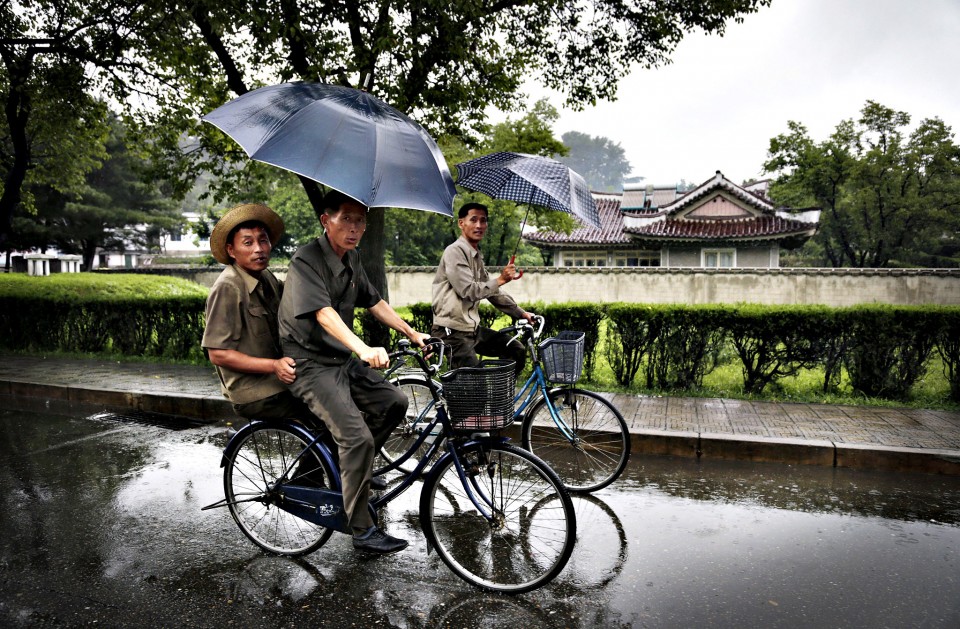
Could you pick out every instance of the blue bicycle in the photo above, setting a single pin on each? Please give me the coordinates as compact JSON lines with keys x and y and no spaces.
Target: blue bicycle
{"x":578,"y":433}
{"x":495,"y":514}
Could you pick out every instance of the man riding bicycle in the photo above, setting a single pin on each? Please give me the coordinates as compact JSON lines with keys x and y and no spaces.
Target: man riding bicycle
{"x":460,"y":284}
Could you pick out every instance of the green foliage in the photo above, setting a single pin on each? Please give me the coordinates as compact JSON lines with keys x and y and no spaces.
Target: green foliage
{"x":601,"y":161}
{"x":422,"y":317}
{"x":301,"y":224}
{"x":630,"y":332}
{"x":111,"y":210}
{"x":948,"y":347}
{"x":444,"y":63}
{"x":687,"y":347}
{"x":774,"y":342}
{"x":889,"y":348}
{"x":888,"y":198}
{"x":60,"y":58}
{"x":119,"y":314}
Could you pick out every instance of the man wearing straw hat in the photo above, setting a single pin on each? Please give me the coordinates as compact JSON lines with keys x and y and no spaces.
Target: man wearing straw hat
{"x":241,"y":337}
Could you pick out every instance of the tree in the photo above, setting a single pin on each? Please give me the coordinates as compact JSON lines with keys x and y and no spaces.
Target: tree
{"x":444,"y":63}
{"x":114,"y":209}
{"x":54,"y":54}
{"x":601,"y":161}
{"x":419,"y":238}
{"x":888,"y":198}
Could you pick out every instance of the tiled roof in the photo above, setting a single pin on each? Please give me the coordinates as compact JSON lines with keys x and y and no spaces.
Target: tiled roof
{"x":690,"y":217}
{"x":719,"y":182}
{"x":754,"y":227}
{"x":610,"y":232}
{"x":641,"y":199}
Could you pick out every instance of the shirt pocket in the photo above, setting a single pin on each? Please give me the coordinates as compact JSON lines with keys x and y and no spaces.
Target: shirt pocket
{"x":259,"y":321}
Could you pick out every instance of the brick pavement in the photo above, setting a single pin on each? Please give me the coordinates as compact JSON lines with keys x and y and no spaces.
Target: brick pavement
{"x":852,"y":436}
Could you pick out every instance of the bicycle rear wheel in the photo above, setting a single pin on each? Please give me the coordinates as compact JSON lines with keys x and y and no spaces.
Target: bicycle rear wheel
{"x":251,"y":479}
{"x":531,"y":535}
{"x":420,"y":412}
{"x":600,"y":446}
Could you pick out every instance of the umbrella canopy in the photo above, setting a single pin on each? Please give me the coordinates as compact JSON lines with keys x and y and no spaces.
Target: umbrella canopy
{"x":343,"y":138}
{"x":530,"y":179}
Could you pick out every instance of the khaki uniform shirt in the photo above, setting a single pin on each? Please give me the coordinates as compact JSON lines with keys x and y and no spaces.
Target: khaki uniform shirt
{"x":242,"y":315}
{"x":460,"y":284}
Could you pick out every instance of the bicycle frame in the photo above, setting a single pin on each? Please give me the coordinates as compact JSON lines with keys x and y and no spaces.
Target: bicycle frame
{"x":324,"y":506}
{"x":537,"y":382}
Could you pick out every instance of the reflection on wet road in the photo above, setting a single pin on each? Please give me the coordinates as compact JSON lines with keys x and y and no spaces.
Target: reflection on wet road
{"x":101,"y":522}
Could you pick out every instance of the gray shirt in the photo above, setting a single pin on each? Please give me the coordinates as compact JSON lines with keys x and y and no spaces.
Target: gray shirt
{"x":317,"y":278}
{"x":460,"y":284}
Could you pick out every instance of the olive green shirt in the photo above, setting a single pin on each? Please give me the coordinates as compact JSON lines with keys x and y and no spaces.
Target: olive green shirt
{"x":241,"y":315}
{"x":460,"y":284}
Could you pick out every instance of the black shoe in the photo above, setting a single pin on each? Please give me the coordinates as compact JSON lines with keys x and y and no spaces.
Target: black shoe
{"x":376,"y":541}
{"x":378,"y":483}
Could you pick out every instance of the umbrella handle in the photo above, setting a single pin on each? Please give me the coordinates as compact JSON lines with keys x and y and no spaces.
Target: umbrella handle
{"x":519,"y":271}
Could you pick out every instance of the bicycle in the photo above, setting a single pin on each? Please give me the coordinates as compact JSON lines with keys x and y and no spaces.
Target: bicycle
{"x":580,"y":434}
{"x":497,"y":516}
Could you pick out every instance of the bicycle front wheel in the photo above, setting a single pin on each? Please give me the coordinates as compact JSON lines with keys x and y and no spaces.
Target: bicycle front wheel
{"x":531,"y":529}
{"x":251,"y":483}
{"x":421,"y":410}
{"x":598,"y":447}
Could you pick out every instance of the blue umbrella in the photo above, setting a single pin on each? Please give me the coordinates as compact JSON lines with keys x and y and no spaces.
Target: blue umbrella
{"x":530,"y":179}
{"x":343,"y":138}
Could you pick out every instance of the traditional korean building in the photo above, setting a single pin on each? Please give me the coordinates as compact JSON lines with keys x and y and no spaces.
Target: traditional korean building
{"x":718,"y":224}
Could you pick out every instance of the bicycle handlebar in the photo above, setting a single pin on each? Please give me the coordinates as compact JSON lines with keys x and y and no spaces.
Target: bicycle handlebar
{"x":422,"y":355}
{"x":522,"y":327}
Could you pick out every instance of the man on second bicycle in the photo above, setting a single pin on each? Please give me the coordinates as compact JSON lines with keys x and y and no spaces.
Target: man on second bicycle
{"x":460,"y":284}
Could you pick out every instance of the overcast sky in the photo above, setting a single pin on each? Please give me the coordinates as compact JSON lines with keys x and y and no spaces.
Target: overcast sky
{"x":814,"y":61}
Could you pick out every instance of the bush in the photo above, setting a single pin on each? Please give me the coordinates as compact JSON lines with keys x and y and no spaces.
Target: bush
{"x":689,"y":341}
{"x":889,"y":347}
{"x":132,"y":315}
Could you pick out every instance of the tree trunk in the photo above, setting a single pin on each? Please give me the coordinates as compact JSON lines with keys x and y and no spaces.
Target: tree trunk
{"x":17,"y":109}
{"x":373,"y":247}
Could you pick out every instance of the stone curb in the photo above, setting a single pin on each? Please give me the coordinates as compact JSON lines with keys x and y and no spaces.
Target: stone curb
{"x":698,"y":445}
{"x":204,"y":407}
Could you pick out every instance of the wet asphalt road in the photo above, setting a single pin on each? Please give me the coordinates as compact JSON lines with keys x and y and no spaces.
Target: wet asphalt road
{"x":101,"y":524}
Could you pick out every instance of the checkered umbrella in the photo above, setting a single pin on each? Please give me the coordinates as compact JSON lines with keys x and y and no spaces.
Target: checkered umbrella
{"x":530,"y":179}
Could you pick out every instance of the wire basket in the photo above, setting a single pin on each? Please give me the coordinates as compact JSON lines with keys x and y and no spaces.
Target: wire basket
{"x":562,"y":357}
{"x":480,"y":398}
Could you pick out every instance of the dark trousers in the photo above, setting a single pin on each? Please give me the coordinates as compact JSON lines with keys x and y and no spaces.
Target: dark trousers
{"x":286,"y":405}
{"x":465,"y":346}
{"x":361,"y":409}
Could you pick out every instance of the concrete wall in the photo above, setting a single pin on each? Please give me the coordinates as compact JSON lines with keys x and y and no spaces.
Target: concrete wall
{"x":830,"y":287}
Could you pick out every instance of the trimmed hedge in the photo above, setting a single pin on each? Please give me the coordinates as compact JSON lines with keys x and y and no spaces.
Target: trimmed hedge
{"x":133,"y":315}
{"x":884,"y":350}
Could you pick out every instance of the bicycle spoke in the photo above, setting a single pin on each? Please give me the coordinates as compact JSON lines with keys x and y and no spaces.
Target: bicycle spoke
{"x":518,"y":548}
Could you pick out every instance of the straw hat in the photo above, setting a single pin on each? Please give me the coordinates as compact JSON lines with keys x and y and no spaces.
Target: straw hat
{"x":242,"y":214}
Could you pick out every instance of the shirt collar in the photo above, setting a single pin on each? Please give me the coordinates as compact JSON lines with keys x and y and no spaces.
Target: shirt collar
{"x":249,"y":281}
{"x":333,"y":261}
{"x":467,"y":247}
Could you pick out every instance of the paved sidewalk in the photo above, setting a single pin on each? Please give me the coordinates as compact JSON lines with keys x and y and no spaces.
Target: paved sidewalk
{"x":817,"y":434}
